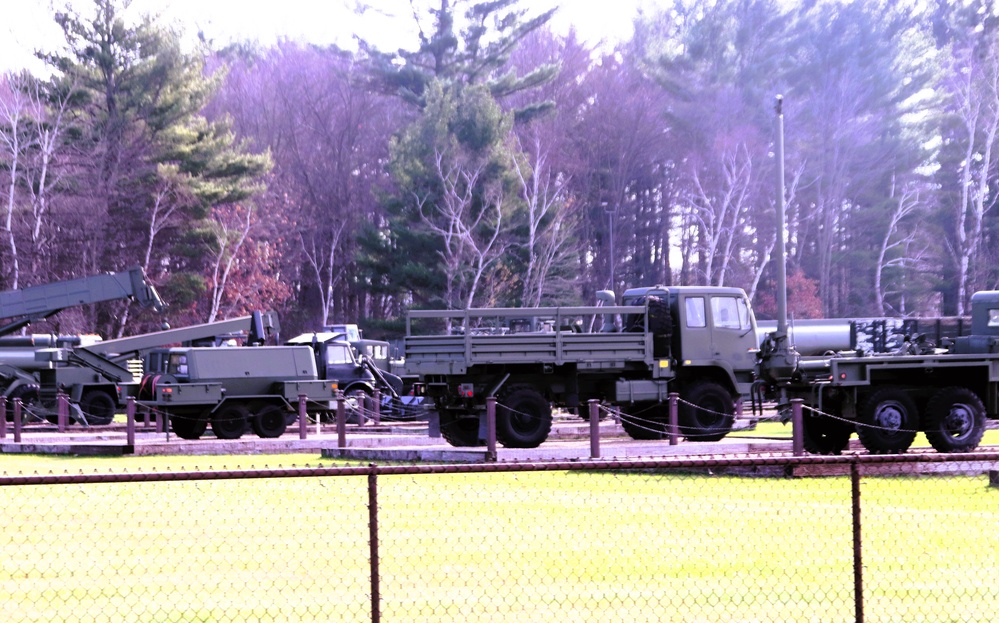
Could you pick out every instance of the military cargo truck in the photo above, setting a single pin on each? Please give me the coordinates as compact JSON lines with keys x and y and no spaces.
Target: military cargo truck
{"x":697,"y":341}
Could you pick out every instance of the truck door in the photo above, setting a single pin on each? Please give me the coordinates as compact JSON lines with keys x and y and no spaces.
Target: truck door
{"x":733,"y":336}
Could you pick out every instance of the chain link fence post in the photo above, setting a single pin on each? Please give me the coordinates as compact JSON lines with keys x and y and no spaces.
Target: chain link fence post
{"x":491,"y":429}
{"x":130,"y":422}
{"x":302,"y":417}
{"x":797,"y":428}
{"x":674,"y":419}
{"x":373,"y":543}
{"x":17,"y":420}
{"x":594,"y":407}
{"x":341,"y":420}
{"x":62,"y":411}
{"x":858,"y":560}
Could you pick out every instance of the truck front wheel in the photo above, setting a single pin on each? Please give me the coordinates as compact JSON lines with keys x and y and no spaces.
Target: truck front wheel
{"x":888,"y":421}
{"x":523,"y":417}
{"x":955,"y":420}
{"x":706,"y":413}
{"x":825,"y":435}
{"x":98,"y":407}
{"x":229,"y":422}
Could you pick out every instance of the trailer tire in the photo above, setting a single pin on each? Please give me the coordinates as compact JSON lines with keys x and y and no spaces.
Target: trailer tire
{"x":188,"y":425}
{"x":356,"y":400}
{"x":888,"y":421}
{"x":29,"y":393}
{"x":646,"y":421}
{"x":707,"y":412}
{"x":825,"y":435}
{"x":230,"y":422}
{"x":523,"y":417}
{"x":269,"y":422}
{"x":98,"y":407}
{"x":460,"y":432}
{"x":955,"y":420}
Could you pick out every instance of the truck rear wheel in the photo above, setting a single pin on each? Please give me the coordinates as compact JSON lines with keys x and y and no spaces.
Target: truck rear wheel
{"x":269,"y":422}
{"x":646,"y":420}
{"x":523,"y":417}
{"x":229,"y":422}
{"x":461,"y":432}
{"x":188,"y":425}
{"x":98,"y":407}
{"x":955,"y":420}
{"x":707,"y":412}
{"x":888,"y":421}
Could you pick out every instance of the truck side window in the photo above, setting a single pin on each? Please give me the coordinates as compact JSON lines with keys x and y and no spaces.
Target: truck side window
{"x":726,"y":313}
{"x":994,"y":317}
{"x":695,"y":312}
{"x":337,"y":354}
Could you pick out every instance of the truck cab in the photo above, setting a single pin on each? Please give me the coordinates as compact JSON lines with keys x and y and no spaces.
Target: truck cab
{"x":354,"y":365}
{"x":713,"y":328}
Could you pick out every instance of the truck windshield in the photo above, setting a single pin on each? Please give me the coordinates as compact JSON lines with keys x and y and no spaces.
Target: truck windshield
{"x":178,"y":365}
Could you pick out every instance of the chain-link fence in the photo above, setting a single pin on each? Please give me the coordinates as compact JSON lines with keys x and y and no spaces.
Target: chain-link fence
{"x":856,"y":538}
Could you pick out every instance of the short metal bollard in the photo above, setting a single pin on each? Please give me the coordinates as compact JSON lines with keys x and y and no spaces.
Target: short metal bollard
{"x":491,"y":429}
{"x":674,"y":419}
{"x":62,"y":411}
{"x":376,"y":407}
{"x":797,"y":428}
{"x":3,"y":417}
{"x":362,"y":408}
{"x":130,"y":421}
{"x":17,"y":420}
{"x":594,"y":411}
{"x":302,"y":416}
{"x":341,"y":421}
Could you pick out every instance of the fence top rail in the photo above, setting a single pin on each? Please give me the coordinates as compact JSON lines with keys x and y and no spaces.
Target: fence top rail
{"x":7,"y":480}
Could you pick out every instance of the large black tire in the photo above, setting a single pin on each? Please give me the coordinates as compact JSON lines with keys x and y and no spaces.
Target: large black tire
{"x":888,"y":421}
{"x":646,"y":420}
{"x":356,"y":400}
{"x":461,"y":432}
{"x":230,"y":422}
{"x":706,"y":413}
{"x":269,"y":422}
{"x":955,"y":420}
{"x":523,"y":417}
{"x":188,"y":425}
{"x":30,"y":396}
{"x":826,"y":435}
{"x":98,"y":407}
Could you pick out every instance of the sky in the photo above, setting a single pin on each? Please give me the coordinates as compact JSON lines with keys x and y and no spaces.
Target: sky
{"x":28,"y":25}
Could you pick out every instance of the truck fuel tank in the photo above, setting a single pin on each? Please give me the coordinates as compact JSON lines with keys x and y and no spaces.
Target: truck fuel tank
{"x":815,"y":337}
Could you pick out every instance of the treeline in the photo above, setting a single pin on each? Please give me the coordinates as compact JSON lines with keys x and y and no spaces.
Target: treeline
{"x":497,"y":163}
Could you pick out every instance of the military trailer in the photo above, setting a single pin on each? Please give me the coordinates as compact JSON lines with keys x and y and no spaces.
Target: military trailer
{"x":235,"y":389}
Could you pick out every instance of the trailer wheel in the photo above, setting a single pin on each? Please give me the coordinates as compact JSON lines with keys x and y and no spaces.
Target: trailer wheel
{"x":460,"y":432}
{"x":29,"y":395}
{"x":523,"y":417}
{"x":188,"y":425}
{"x":646,"y":420}
{"x":269,"y":422}
{"x":888,"y":421}
{"x":98,"y":407}
{"x":826,"y":435}
{"x":230,"y":422}
{"x":955,"y":420}
{"x":707,"y":412}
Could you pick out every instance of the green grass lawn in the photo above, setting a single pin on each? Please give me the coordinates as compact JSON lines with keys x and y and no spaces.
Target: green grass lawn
{"x":528,"y":546}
